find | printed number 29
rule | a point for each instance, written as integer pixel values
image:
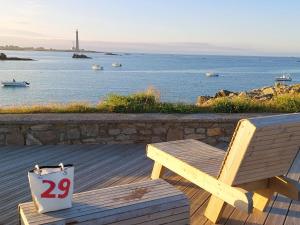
(63, 185)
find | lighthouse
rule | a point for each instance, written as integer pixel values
(76, 50)
(77, 42)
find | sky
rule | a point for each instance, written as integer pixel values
(233, 27)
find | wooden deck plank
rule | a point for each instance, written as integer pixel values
(281, 206)
(99, 166)
(19, 185)
(82, 161)
(278, 207)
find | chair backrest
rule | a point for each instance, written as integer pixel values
(261, 148)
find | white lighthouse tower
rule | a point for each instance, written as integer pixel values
(77, 54)
(77, 42)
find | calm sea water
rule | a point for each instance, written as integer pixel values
(56, 77)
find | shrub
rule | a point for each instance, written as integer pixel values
(286, 103)
(237, 105)
(148, 102)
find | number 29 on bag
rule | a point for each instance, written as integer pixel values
(63, 187)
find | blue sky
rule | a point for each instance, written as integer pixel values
(248, 27)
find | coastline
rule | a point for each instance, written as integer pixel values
(56, 50)
(278, 99)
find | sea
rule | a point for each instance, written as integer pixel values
(57, 78)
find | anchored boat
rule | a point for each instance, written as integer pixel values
(211, 74)
(14, 83)
(116, 65)
(97, 67)
(284, 77)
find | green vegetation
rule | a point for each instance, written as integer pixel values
(148, 102)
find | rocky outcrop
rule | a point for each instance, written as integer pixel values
(3, 57)
(80, 56)
(224, 93)
(261, 94)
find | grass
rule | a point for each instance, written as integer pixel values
(286, 103)
(148, 102)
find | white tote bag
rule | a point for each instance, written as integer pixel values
(52, 187)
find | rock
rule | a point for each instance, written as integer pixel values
(46, 137)
(211, 141)
(89, 130)
(30, 140)
(114, 131)
(252, 94)
(123, 137)
(159, 130)
(174, 134)
(156, 139)
(222, 145)
(202, 99)
(146, 132)
(4, 130)
(101, 139)
(73, 134)
(223, 93)
(231, 95)
(195, 136)
(189, 130)
(214, 132)
(41, 127)
(269, 91)
(102, 132)
(279, 87)
(15, 138)
(264, 97)
(282, 88)
(200, 130)
(261, 94)
(129, 131)
(62, 137)
(80, 56)
(2, 139)
(224, 139)
(4, 57)
(295, 89)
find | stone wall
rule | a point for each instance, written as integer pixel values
(43, 129)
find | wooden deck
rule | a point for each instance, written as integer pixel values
(98, 166)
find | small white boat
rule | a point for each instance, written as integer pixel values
(14, 83)
(97, 67)
(116, 65)
(284, 77)
(211, 74)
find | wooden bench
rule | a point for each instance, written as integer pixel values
(148, 202)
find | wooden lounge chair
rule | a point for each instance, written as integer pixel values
(260, 154)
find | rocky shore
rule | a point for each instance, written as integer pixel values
(260, 94)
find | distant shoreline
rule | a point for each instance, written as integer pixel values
(42, 49)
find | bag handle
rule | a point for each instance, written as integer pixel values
(38, 169)
(61, 166)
